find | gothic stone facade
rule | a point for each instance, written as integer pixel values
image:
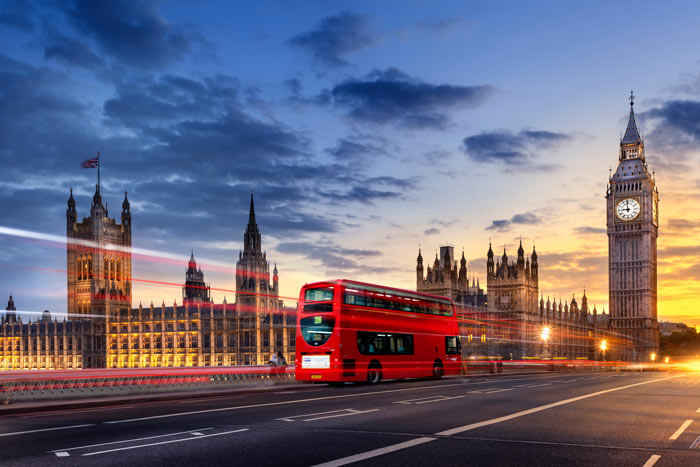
(104, 331)
(446, 280)
(633, 226)
(508, 324)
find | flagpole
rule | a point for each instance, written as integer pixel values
(99, 187)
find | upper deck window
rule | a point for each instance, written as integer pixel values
(322, 294)
(312, 297)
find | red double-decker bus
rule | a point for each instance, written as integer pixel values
(352, 331)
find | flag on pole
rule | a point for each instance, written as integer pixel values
(91, 163)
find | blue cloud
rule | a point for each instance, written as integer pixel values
(502, 225)
(510, 148)
(333, 38)
(391, 96)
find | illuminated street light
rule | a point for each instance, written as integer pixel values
(653, 357)
(545, 334)
(667, 359)
(603, 347)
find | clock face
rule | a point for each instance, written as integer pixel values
(627, 209)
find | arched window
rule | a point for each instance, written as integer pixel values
(89, 260)
(119, 270)
(106, 271)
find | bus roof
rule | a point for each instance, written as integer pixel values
(365, 286)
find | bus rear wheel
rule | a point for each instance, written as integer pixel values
(374, 373)
(438, 369)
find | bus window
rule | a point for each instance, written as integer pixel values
(384, 343)
(355, 297)
(316, 330)
(452, 345)
(321, 294)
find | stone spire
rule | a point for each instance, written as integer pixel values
(631, 134)
(489, 261)
(71, 214)
(251, 238)
(521, 255)
(631, 145)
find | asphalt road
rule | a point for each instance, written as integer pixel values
(597, 419)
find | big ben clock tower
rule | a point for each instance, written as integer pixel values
(633, 227)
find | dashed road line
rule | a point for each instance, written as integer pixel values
(126, 448)
(680, 430)
(324, 415)
(427, 400)
(64, 450)
(652, 460)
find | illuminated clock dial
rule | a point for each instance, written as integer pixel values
(627, 209)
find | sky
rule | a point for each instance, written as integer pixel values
(364, 130)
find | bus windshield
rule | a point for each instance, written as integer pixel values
(316, 330)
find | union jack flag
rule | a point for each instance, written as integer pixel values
(91, 163)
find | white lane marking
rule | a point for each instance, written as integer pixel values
(490, 390)
(696, 443)
(417, 441)
(353, 412)
(128, 440)
(329, 414)
(164, 442)
(46, 429)
(48, 414)
(269, 404)
(538, 385)
(427, 400)
(62, 454)
(208, 399)
(698, 410)
(196, 433)
(376, 452)
(473, 426)
(680, 430)
(652, 460)
(291, 419)
(438, 400)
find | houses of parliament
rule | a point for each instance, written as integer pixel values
(510, 319)
(104, 331)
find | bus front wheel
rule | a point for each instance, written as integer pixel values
(374, 373)
(438, 370)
